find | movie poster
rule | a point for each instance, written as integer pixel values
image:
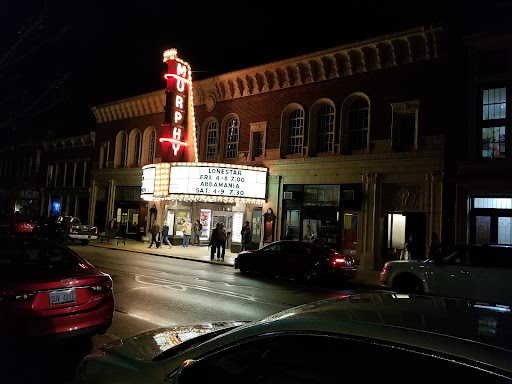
(310, 229)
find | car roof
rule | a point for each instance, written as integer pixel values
(474, 331)
(24, 242)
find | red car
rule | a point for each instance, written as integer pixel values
(297, 260)
(46, 289)
(16, 225)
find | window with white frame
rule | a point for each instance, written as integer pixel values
(151, 147)
(494, 123)
(404, 130)
(136, 148)
(233, 134)
(257, 139)
(358, 124)
(295, 131)
(211, 140)
(325, 128)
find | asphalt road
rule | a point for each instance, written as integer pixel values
(151, 292)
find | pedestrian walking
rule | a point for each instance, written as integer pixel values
(165, 234)
(186, 234)
(196, 232)
(246, 236)
(154, 232)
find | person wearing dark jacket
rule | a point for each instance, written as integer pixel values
(154, 232)
(246, 236)
(213, 241)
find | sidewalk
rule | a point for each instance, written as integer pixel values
(202, 254)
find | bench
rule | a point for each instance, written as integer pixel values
(107, 238)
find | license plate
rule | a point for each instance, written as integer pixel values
(63, 296)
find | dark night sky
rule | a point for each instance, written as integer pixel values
(107, 50)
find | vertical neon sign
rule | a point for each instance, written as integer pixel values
(178, 110)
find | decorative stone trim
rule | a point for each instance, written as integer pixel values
(403, 48)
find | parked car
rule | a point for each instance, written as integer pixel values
(353, 339)
(53, 228)
(48, 228)
(79, 231)
(297, 259)
(466, 271)
(46, 289)
(13, 225)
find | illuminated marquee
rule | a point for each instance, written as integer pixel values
(178, 136)
(207, 182)
(218, 180)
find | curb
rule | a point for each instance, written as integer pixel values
(225, 263)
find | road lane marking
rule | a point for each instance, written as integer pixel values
(159, 282)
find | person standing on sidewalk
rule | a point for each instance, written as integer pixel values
(196, 232)
(165, 234)
(213, 241)
(154, 232)
(186, 234)
(246, 236)
(221, 241)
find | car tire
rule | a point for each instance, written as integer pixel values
(85, 242)
(407, 283)
(245, 269)
(310, 275)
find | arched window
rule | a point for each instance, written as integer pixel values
(358, 124)
(295, 131)
(325, 128)
(232, 137)
(120, 154)
(151, 147)
(134, 148)
(212, 134)
(148, 146)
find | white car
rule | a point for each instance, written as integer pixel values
(482, 273)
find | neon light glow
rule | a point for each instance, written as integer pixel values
(179, 78)
(162, 139)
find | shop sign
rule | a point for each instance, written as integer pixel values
(148, 180)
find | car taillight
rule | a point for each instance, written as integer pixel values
(387, 267)
(339, 260)
(103, 287)
(96, 231)
(15, 296)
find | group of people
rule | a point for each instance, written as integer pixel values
(412, 250)
(186, 228)
(218, 240)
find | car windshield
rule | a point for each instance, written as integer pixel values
(37, 258)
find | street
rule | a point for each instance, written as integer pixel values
(153, 291)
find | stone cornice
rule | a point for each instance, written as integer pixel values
(70, 142)
(387, 51)
(146, 104)
(414, 45)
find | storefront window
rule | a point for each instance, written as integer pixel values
(182, 217)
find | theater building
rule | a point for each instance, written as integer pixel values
(349, 140)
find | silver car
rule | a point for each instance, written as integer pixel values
(375, 337)
(476, 272)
